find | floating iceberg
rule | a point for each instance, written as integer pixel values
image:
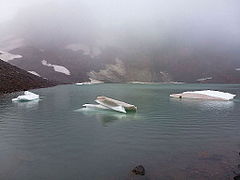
(28, 96)
(205, 94)
(111, 104)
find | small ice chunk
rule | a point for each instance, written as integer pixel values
(28, 96)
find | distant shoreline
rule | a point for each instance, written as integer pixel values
(142, 82)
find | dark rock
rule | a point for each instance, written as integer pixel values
(237, 177)
(14, 79)
(139, 170)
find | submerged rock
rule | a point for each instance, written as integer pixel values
(237, 177)
(139, 170)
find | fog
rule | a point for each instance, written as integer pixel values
(123, 23)
(148, 36)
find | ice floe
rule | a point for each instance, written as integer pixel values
(205, 94)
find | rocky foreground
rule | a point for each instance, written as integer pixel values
(14, 79)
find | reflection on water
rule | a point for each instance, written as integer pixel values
(205, 104)
(106, 116)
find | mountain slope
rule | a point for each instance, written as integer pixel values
(13, 79)
(183, 64)
(200, 45)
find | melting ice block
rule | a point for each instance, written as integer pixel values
(111, 104)
(28, 96)
(205, 94)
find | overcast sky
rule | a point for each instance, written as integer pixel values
(193, 17)
(221, 8)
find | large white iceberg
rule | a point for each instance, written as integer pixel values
(28, 96)
(205, 94)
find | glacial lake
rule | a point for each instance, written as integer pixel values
(172, 138)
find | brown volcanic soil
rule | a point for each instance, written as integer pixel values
(13, 79)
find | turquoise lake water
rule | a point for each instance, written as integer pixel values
(173, 139)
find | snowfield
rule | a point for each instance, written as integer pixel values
(57, 68)
(6, 56)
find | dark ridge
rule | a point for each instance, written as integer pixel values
(14, 79)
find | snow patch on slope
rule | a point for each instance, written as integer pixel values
(91, 51)
(35, 73)
(237, 69)
(6, 56)
(57, 68)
